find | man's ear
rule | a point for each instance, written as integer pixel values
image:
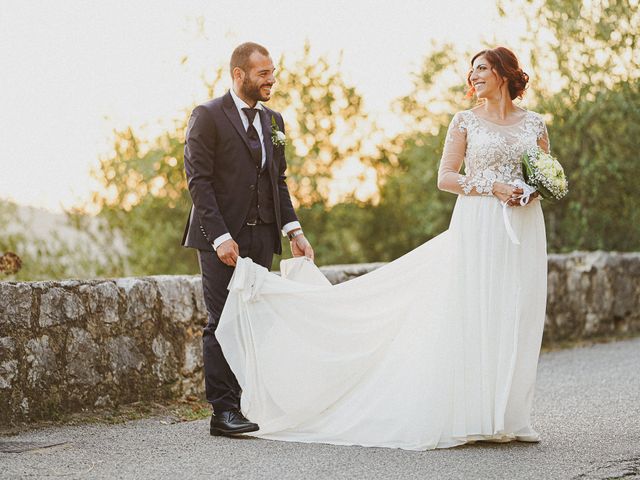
(238, 74)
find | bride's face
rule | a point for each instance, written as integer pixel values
(484, 79)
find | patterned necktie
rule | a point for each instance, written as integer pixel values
(254, 138)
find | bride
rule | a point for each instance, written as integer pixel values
(435, 349)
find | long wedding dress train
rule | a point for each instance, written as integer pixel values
(434, 349)
(421, 353)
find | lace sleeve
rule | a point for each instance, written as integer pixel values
(543, 137)
(455, 146)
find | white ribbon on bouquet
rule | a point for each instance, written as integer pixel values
(527, 190)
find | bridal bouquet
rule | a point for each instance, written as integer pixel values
(544, 173)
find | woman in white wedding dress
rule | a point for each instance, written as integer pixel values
(435, 349)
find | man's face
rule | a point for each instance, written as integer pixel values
(259, 79)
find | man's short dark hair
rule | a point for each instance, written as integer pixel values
(240, 56)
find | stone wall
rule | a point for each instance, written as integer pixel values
(592, 295)
(68, 346)
(74, 345)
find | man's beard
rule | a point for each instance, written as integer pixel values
(252, 90)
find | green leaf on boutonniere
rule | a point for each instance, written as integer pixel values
(277, 136)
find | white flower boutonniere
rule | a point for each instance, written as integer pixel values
(277, 136)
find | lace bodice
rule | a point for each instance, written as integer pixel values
(490, 152)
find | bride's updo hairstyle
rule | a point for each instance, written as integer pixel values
(504, 63)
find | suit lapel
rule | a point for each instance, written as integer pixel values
(232, 114)
(265, 119)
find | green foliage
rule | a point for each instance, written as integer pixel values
(437, 91)
(145, 199)
(588, 83)
(326, 122)
(597, 142)
(588, 45)
(328, 127)
(336, 232)
(411, 209)
(585, 80)
(87, 255)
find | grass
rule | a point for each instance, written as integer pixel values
(588, 342)
(186, 410)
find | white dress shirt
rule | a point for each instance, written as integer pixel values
(257, 123)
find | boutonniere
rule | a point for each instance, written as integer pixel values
(277, 136)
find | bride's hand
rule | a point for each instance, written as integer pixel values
(507, 193)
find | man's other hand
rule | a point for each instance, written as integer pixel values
(228, 252)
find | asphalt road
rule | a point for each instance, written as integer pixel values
(587, 410)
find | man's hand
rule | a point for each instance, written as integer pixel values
(228, 252)
(300, 246)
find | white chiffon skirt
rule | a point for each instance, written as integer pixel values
(435, 349)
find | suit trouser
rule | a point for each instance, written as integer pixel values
(255, 242)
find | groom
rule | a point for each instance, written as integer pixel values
(236, 179)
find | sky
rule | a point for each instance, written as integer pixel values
(73, 71)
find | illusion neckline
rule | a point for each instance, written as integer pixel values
(526, 113)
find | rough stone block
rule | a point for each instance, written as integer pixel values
(192, 386)
(42, 361)
(592, 324)
(15, 304)
(7, 346)
(341, 273)
(140, 300)
(83, 356)
(102, 301)
(176, 293)
(8, 371)
(164, 367)
(200, 313)
(192, 356)
(58, 306)
(124, 356)
(103, 401)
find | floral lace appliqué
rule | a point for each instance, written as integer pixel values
(493, 152)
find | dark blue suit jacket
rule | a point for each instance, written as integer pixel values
(221, 172)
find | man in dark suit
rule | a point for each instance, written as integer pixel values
(236, 176)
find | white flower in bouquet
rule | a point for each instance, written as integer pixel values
(545, 173)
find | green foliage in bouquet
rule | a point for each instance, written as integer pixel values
(542, 171)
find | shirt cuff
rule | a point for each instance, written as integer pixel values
(290, 226)
(221, 239)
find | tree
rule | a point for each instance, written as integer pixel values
(584, 80)
(328, 127)
(586, 58)
(145, 196)
(411, 209)
(67, 252)
(145, 199)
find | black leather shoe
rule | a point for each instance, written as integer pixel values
(230, 423)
